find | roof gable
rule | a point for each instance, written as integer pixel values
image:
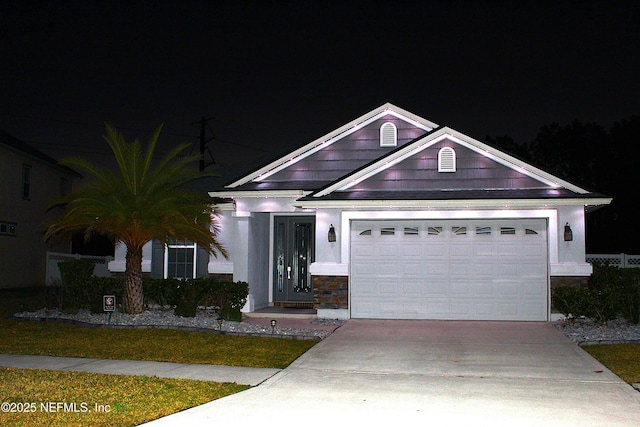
(414, 166)
(473, 170)
(341, 151)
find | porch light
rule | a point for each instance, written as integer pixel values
(568, 234)
(273, 325)
(332, 234)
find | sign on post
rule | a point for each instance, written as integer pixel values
(109, 303)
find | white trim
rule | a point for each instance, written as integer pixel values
(259, 193)
(444, 203)
(181, 246)
(225, 206)
(570, 269)
(328, 269)
(459, 138)
(220, 267)
(332, 137)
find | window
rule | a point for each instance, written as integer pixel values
(180, 260)
(7, 229)
(483, 230)
(446, 160)
(411, 231)
(365, 233)
(388, 135)
(387, 231)
(26, 181)
(530, 231)
(434, 231)
(508, 230)
(459, 231)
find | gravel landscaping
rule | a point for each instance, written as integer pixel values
(579, 331)
(203, 321)
(583, 331)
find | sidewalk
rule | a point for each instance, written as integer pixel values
(217, 373)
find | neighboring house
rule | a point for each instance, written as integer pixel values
(392, 216)
(30, 181)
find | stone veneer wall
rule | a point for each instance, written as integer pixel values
(221, 277)
(572, 281)
(330, 292)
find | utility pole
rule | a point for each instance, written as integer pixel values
(204, 123)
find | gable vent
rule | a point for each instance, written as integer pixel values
(446, 160)
(388, 135)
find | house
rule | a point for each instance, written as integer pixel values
(392, 216)
(30, 181)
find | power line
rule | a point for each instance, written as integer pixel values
(101, 126)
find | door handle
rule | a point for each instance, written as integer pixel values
(289, 272)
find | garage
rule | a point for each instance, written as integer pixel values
(449, 269)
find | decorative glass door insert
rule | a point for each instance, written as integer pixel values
(293, 254)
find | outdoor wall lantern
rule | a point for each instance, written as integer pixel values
(568, 234)
(332, 234)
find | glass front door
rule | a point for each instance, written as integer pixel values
(293, 253)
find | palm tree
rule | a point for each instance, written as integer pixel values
(138, 202)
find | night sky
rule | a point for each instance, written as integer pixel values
(276, 75)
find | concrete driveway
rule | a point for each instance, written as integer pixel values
(454, 373)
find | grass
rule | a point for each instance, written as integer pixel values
(165, 345)
(98, 399)
(124, 400)
(621, 359)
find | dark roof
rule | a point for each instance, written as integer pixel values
(530, 193)
(16, 144)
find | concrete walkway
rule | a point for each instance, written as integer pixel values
(248, 376)
(432, 373)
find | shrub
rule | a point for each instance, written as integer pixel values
(630, 305)
(75, 274)
(75, 271)
(612, 292)
(571, 302)
(187, 295)
(229, 297)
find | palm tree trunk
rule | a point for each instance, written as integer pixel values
(133, 293)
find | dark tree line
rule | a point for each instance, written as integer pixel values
(600, 160)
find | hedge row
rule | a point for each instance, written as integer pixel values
(612, 292)
(80, 289)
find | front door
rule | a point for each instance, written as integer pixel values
(293, 253)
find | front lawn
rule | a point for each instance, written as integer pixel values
(622, 359)
(87, 399)
(42, 398)
(164, 345)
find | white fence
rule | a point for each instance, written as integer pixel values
(53, 258)
(617, 260)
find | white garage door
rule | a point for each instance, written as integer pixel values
(449, 269)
